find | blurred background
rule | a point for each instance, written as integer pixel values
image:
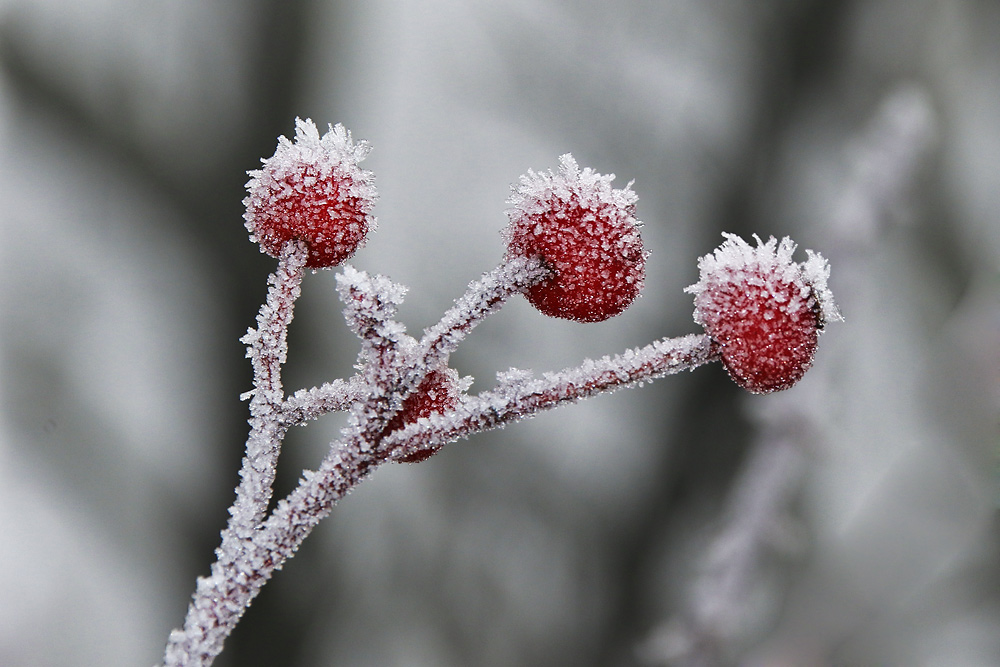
(849, 521)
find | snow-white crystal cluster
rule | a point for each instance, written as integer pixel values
(768, 264)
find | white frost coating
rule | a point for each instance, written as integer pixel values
(267, 348)
(308, 404)
(518, 395)
(816, 272)
(370, 301)
(482, 298)
(377, 288)
(737, 262)
(592, 188)
(334, 151)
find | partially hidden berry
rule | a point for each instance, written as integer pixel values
(764, 311)
(586, 233)
(438, 392)
(312, 190)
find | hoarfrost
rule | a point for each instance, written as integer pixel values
(763, 310)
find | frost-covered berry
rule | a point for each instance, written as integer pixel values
(437, 393)
(764, 311)
(586, 233)
(312, 190)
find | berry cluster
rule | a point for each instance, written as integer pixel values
(573, 250)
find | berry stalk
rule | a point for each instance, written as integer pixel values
(267, 348)
(524, 396)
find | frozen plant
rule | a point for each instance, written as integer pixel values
(574, 251)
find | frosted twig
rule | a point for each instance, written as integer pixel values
(218, 600)
(519, 400)
(758, 504)
(883, 162)
(573, 250)
(721, 613)
(308, 404)
(267, 348)
(483, 298)
(370, 302)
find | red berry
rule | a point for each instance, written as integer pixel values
(763, 310)
(586, 233)
(437, 393)
(312, 190)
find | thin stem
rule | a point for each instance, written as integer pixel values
(483, 298)
(512, 402)
(237, 576)
(220, 599)
(308, 404)
(267, 348)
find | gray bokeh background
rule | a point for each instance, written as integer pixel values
(867, 130)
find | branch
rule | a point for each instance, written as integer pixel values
(523, 397)
(267, 348)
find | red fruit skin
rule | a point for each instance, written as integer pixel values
(767, 334)
(763, 311)
(437, 393)
(307, 207)
(587, 234)
(599, 270)
(312, 190)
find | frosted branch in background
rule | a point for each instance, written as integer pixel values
(573, 250)
(728, 605)
(883, 160)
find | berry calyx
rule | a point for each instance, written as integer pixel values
(438, 392)
(764, 311)
(312, 190)
(586, 233)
